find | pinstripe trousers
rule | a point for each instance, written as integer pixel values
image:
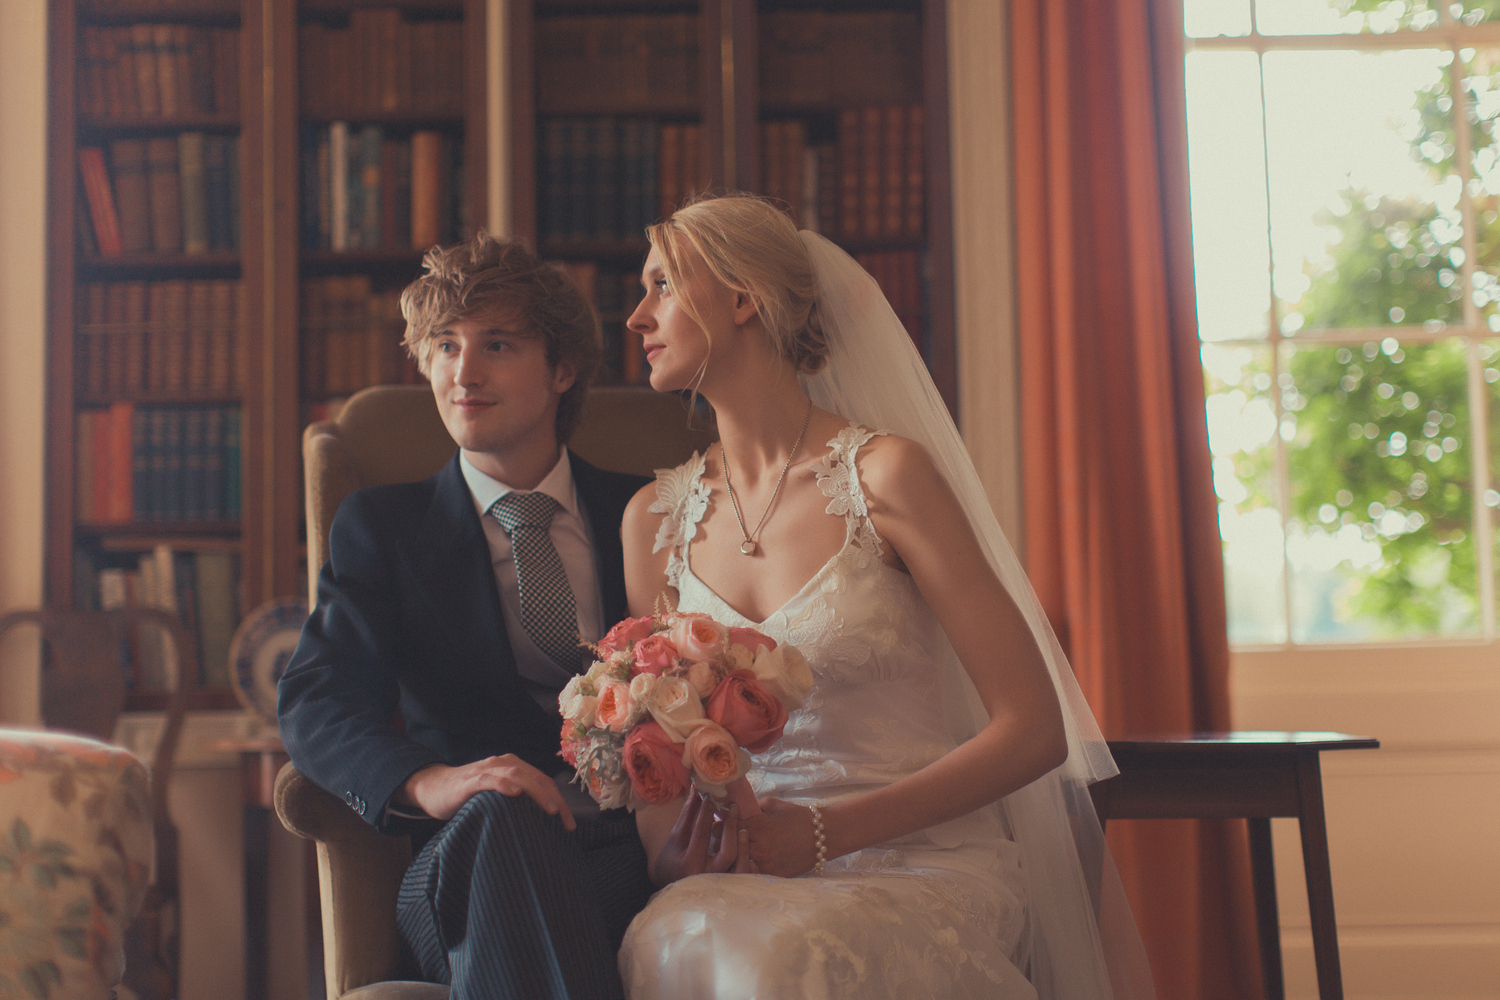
(504, 904)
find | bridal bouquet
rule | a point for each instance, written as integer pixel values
(676, 699)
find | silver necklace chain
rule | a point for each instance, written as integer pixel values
(747, 547)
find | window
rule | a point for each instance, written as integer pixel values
(1345, 183)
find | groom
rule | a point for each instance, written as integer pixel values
(424, 689)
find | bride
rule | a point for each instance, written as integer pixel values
(926, 829)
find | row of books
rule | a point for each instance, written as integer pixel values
(899, 275)
(168, 194)
(352, 337)
(641, 63)
(165, 464)
(368, 190)
(171, 337)
(158, 71)
(840, 58)
(614, 292)
(381, 63)
(680, 168)
(881, 172)
(200, 587)
(598, 178)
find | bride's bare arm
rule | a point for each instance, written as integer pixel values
(921, 522)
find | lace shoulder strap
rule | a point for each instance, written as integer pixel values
(682, 496)
(838, 478)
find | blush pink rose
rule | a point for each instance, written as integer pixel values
(742, 705)
(654, 764)
(615, 706)
(569, 751)
(626, 634)
(750, 639)
(655, 654)
(698, 638)
(704, 677)
(712, 754)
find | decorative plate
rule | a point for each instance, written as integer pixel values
(262, 646)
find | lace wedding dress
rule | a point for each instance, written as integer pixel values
(940, 913)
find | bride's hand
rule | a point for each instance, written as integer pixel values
(781, 838)
(700, 842)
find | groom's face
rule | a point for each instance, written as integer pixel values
(495, 389)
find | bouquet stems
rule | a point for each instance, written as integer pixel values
(738, 792)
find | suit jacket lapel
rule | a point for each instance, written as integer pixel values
(450, 560)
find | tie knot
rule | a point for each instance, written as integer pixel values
(532, 510)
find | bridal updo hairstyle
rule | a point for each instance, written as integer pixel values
(483, 278)
(751, 246)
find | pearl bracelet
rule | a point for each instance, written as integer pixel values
(819, 838)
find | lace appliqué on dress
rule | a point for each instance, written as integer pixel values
(682, 495)
(838, 478)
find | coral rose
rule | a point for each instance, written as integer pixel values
(698, 638)
(712, 754)
(677, 707)
(750, 639)
(654, 763)
(742, 705)
(655, 654)
(626, 634)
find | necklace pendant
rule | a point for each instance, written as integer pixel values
(747, 548)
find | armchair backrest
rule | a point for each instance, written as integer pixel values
(394, 434)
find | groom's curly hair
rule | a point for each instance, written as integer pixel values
(485, 278)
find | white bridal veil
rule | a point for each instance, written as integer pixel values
(1083, 941)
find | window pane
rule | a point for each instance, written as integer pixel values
(1365, 221)
(1380, 538)
(1343, 17)
(1226, 160)
(1242, 433)
(1489, 355)
(1207, 18)
(1481, 84)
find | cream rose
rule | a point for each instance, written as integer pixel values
(642, 691)
(785, 673)
(737, 657)
(712, 755)
(703, 677)
(677, 708)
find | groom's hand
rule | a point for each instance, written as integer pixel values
(440, 790)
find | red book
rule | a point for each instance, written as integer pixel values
(101, 200)
(121, 463)
(100, 444)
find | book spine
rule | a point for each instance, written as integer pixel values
(893, 174)
(871, 212)
(185, 580)
(122, 463)
(101, 200)
(426, 188)
(166, 194)
(143, 48)
(338, 173)
(213, 463)
(216, 192)
(194, 491)
(148, 302)
(83, 466)
(914, 213)
(849, 173)
(154, 502)
(140, 463)
(217, 614)
(164, 50)
(101, 501)
(199, 337)
(232, 477)
(552, 211)
(370, 141)
(193, 184)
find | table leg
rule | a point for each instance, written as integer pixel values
(1319, 876)
(1267, 919)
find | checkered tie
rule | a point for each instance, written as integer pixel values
(548, 612)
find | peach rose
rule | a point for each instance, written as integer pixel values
(654, 763)
(742, 705)
(615, 706)
(712, 754)
(677, 707)
(785, 673)
(750, 639)
(655, 654)
(626, 634)
(704, 677)
(698, 638)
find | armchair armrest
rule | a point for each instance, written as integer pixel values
(359, 876)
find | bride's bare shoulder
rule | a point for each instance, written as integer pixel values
(893, 468)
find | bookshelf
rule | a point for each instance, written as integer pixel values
(200, 308)
(837, 109)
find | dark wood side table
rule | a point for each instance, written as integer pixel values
(1254, 775)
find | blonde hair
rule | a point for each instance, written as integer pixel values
(482, 278)
(751, 247)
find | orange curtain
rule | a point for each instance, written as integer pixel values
(1121, 525)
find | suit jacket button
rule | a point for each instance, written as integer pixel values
(348, 798)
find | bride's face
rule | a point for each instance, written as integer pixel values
(677, 347)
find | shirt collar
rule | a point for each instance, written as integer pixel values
(486, 489)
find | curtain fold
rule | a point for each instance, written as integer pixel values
(1121, 535)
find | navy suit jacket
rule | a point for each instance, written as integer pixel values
(408, 626)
